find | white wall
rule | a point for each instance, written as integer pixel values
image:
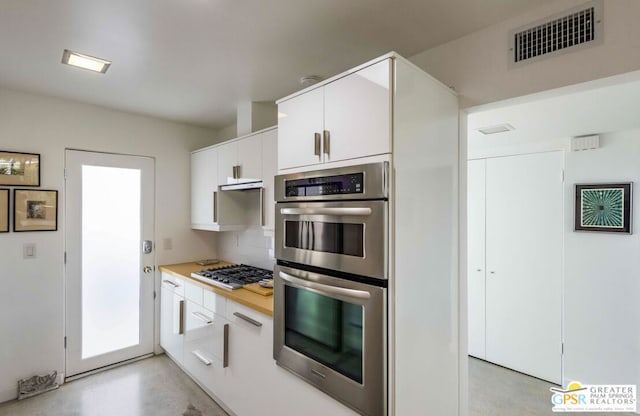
(477, 65)
(602, 273)
(31, 294)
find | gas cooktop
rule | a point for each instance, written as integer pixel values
(233, 277)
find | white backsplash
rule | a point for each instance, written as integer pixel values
(249, 246)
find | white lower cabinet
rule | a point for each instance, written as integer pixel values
(172, 306)
(251, 384)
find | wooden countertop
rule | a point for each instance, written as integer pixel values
(260, 303)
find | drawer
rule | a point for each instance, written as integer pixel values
(247, 318)
(215, 303)
(206, 332)
(173, 283)
(193, 292)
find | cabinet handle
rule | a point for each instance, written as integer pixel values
(262, 207)
(238, 176)
(246, 318)
(233, 170)
(225, 351)
(201, 357)
(326, 142)
(171, 283)
(215, 206)
(478, 270)
(181, 325)
(492, 272)
(316, 149)
(204, 318)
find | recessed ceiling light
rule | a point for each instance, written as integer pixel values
(83, 61)
(500, 128)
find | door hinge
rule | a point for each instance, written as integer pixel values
(154, 294)
(562, 348)
(65, 257)
(562, 176)
(65, 343)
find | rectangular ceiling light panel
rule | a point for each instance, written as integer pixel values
(83, 61)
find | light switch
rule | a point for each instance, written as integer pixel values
(29, 251)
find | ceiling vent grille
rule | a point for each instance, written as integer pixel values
(559, 33)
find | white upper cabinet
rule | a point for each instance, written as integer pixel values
(344, 119)
(204, 188)
(240, 161)
(299, 130)
(248, 159)
(357, 114)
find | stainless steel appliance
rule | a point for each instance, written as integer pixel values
(232, 277)
(330, 282)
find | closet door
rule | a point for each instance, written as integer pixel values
(476, 256)
(524, 223)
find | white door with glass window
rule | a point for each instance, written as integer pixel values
(109, 276)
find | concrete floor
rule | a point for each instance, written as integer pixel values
(151, 387)
(498, 391)
(157, 387)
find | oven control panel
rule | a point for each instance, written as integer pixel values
(352, 183)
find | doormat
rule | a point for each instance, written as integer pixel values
(192, 411)
(36, 385)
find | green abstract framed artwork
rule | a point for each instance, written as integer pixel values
(604, 207)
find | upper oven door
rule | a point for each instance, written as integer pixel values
(347, 236)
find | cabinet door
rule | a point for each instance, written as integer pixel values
(250, 159)
(357, 114)
(524, 263)
(204, 187)
(172, 309)
(269, 170)
(476, 256)
(227, 159)
(300, 119)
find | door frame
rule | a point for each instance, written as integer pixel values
(154, 260)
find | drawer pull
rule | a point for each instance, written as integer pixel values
(201, 357)
(171, 283)
(246, 318)
(204, 318)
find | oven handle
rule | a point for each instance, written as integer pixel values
(353, 212)
(329, 290)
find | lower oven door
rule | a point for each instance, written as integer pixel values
(332, 333)
(349, 236)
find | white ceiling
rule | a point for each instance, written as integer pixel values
(550, 119)
(193, 60)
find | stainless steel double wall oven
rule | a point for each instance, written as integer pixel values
(330, 282)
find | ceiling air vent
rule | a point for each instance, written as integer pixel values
(563, 32)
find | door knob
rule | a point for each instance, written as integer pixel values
(147, 269)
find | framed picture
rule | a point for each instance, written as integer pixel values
(35, 210)
(4, 210)
(19, 169)
(604, 207)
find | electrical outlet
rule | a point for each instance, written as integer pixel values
(29, 251)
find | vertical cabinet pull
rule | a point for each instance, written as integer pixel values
(262, 207)
(316, 148)
(225, 351)
(326, 142)
(181, 317)
(238, 176)
(215, 206)
(233, 172)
